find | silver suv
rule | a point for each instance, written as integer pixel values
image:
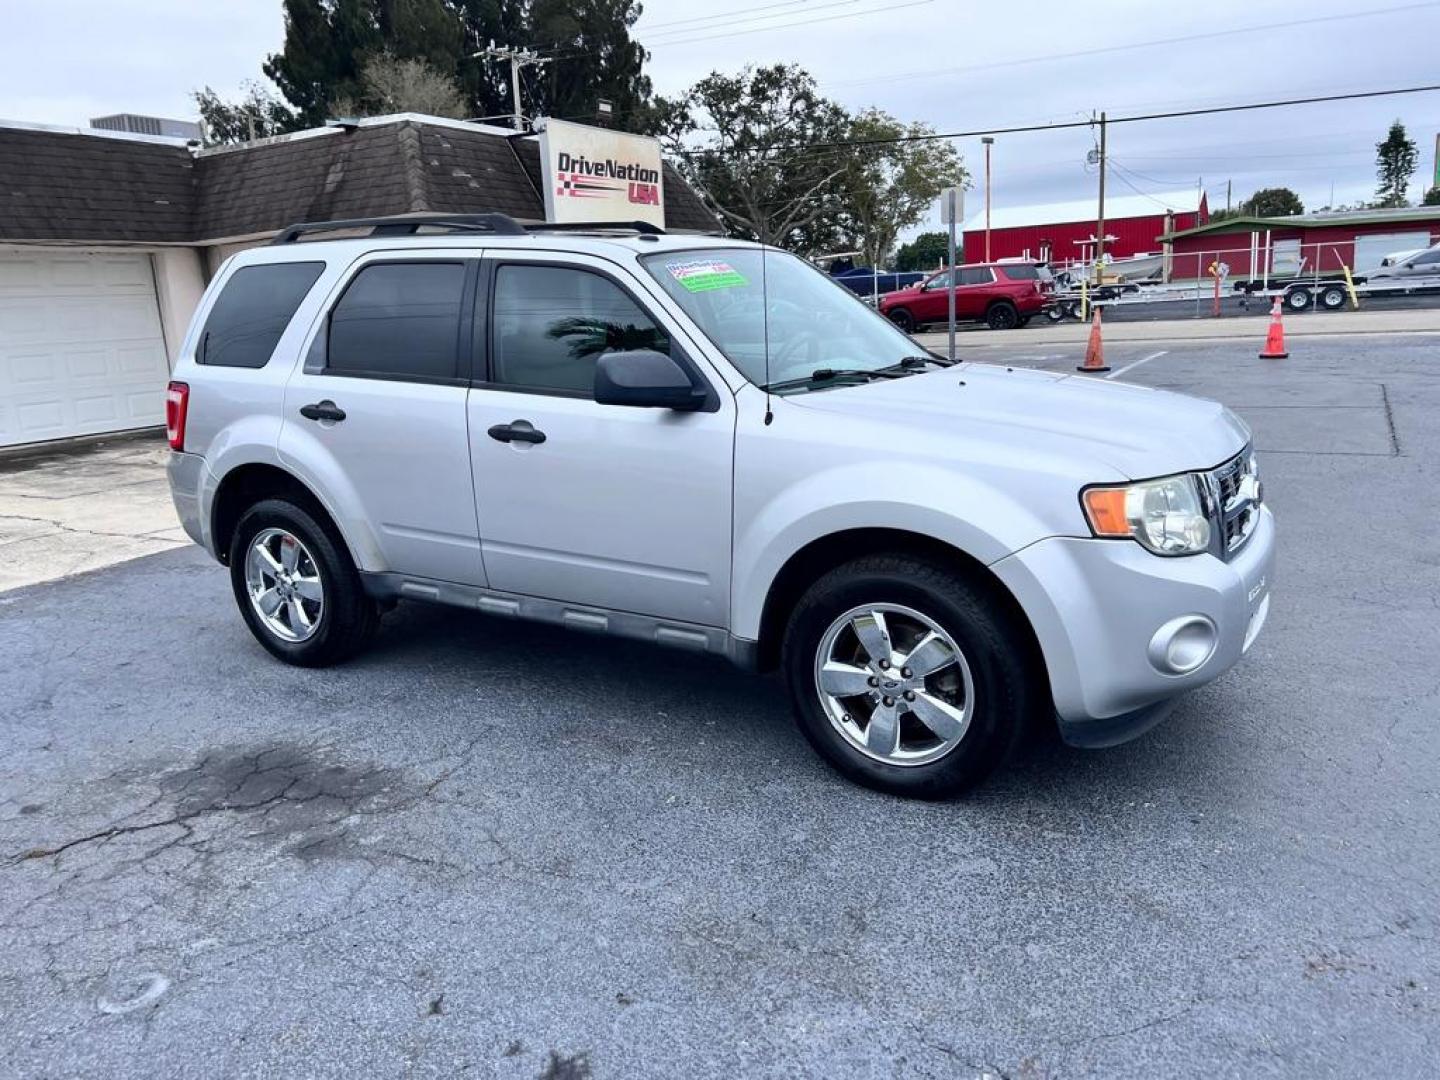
(708, 444)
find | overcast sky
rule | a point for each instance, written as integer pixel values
(960, 66)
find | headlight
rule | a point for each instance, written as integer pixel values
(1165, 515)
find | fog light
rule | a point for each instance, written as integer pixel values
(1182, 645)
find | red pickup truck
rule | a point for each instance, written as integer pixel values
(1001, 295)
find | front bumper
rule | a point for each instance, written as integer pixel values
(1097, 605)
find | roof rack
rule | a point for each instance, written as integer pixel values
(496, 224)
(642, 227)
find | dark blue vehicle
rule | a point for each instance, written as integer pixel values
(864, 281)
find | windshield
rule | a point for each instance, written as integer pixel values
(814, 324)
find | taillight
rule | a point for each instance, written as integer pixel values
(177, 402)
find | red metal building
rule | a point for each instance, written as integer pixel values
(1061, 233)
(1251, 246)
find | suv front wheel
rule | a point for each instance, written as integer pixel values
(904, 676)
(903, 319)
(297, 588)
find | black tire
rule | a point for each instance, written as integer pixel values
(903, 319)
(1297, 299)
(1002, 316)
(348, 619)
(1332, 298)
(1006, 687)
(1057, 312)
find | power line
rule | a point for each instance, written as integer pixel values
(1071, 124)
(732, 15)
(883, 10)
(1106, 49)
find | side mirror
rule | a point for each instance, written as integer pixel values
(646, 379)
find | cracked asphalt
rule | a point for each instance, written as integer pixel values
(489, 849)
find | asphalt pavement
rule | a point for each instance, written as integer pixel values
(489, 849)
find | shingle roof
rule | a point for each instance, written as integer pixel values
(70, 186)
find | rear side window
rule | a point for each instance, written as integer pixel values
(976, 275)
(399, 321)
(251, 313)
(1020, 272)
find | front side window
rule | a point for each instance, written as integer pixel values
(776, 317)
(252, 311)
(1430, 258)
(551, 323)
(399, 321)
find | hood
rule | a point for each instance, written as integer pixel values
(1137, 431)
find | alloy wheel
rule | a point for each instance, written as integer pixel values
(894, 684)
(283, 582)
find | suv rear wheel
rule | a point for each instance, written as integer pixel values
(297, 588)
(1002, 316)
(905, 678)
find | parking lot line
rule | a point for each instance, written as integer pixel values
(1130, 367)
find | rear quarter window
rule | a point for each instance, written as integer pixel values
(253, 309)
(1020, 273)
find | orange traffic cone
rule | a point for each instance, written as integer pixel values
(1275, 340)
(1095, 351)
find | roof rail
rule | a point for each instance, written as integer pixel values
(497, 224)
(642, 227)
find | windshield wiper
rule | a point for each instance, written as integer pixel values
(825, 374)
(917, 363)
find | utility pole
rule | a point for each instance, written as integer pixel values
(1227, 196)
(988, 141)
(1100, 222)
(519, 58)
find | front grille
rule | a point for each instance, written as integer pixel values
(1235, 499)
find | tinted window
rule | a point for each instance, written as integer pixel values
(399, 321)
(1427, 259)
(252, 312)
(551, 322)
(1020, 272)
(975, 275)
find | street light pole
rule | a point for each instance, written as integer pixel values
(988, 142)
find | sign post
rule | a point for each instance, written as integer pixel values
(952, 209)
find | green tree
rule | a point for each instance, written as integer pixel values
(750, 148)
(258, 114)
(1273, 202)
(1395, 161)
(595, 58)
(926, 252)
(1432, 197)
(893, 176)
(591, 54)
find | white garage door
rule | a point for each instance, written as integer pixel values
(81, 349)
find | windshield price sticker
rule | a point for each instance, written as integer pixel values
(707, 275)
